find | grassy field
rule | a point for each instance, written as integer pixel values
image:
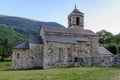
(85, 73)
(5, 65)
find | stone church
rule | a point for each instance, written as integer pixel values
(61, 47)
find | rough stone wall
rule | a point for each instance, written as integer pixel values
(107, 61)
(116, 60)
(42, 34)
(94, 45)
(57, 55)
(100, 61)
(63, 55)
(87, 52)
(83, 49)
(83, 62)
(28, 58)
(104, 61)
(36, 47)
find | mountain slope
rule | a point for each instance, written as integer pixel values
(17, 29)
(26, 26)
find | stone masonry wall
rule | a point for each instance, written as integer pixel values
(100, 61)
(26, 58)
(58, 55)
(63, 55)
(94, 45)
(116, 60)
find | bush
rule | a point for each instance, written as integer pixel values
(112, 48)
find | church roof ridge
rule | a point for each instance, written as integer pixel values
(65, 39)
(68, 31)
(76, 11)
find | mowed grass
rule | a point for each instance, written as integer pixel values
(83, 73)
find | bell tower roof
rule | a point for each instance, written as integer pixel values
(76, 11)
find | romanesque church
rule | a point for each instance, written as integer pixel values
(61, 47)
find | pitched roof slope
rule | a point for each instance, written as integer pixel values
(65, 39)
(76, 11)
(67, 31)
(104, 51)
(24, 45)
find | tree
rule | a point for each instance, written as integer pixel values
(105, 37)
(5, 49)
(117, 39)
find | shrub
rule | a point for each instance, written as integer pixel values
(112, 48)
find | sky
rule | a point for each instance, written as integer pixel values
(98, 14)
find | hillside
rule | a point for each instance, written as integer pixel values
(17, 29)
(26, 26)
(14, 38)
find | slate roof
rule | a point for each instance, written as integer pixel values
(68, 31)
(35, 39)
(76, 11)
(24, 45)
(65, 39)
(104, 51)
(32, 39)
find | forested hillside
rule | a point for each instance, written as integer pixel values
(8, 32)
(26, 26)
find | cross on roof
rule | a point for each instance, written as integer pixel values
(75, 6)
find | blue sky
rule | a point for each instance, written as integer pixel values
(99, 14)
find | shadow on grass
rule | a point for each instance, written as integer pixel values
(9, 69)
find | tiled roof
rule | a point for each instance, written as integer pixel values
(104, 51)
(68, 31)
(24, 45)
(65, 39)
(35, 39)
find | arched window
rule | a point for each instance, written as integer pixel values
(77, 20)
(70, 22)
(18, 55)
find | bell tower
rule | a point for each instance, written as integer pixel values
(76, 19)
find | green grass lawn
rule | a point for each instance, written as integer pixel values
(85, 73)
(5, 65)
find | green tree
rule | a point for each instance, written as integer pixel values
(105, 37)
(5, 49)
(117, 39)
(113, 48)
